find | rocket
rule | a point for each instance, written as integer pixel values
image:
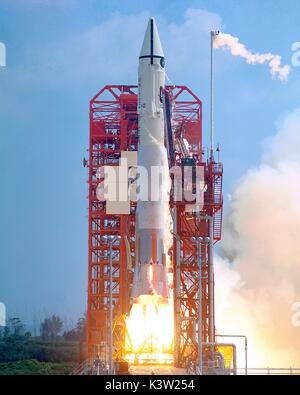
(150, 272)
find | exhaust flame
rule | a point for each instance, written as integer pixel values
(150, 331)
(236, 48)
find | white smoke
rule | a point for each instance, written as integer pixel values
(258, 277)
(236, 48)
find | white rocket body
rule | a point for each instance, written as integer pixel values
(150, 274)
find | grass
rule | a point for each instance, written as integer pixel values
(34, 367)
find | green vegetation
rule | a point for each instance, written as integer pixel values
(51, 327)
(51, 353)
(43, 351)
(33, 367)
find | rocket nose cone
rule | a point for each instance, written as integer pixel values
(151, 44)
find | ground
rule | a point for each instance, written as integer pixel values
(156, 370)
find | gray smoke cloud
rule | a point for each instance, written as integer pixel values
(258, 271)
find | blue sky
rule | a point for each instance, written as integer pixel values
(59, 54)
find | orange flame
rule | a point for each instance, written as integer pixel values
(150, 331)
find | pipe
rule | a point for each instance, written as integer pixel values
(177, 290)
(212, 126)
(105, 347)
(211, 281)
(199, 306)
(210, 218)
(110, 310)
(212, 94)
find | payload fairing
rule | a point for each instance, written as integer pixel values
(150, 273)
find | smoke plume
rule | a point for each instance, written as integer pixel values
(258, 274)
(236, 48)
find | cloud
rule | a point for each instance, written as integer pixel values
(42, 3)
(108, 52)
(188, 44)
(261, 250)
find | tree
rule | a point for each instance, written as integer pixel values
(51, 327)
(6, 332)
(77, 333)
(81, 327)
(16, 326)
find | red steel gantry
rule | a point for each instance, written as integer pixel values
(114, 128)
